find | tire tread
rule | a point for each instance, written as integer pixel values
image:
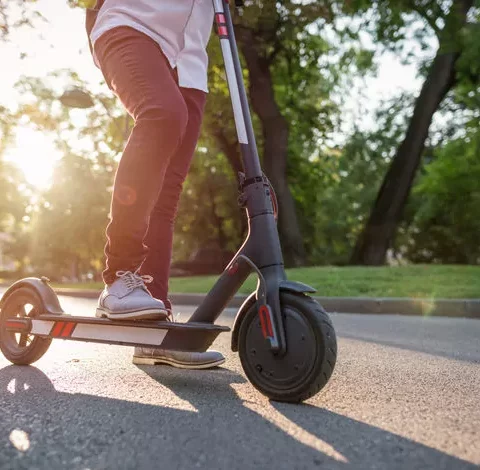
(38, 347)
(321, 322)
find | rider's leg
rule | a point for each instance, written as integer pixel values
(160, 237)
(140, 75)
(160, 232)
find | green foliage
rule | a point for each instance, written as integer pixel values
(446, 225)
(467, 91)
(81, 3)
(336, 188)
(393, 21)
(208, 214)
(13, 195)
(16, 14)
(70, 218)
(65, 224)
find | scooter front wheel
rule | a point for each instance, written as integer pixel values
(311, 353)
(21, 348)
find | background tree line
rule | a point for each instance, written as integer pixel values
(408, 184)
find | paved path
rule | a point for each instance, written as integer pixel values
(405, 395)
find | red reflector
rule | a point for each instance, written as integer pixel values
(57, 328)
(269, 324)
(67, 331)
(222, 31)
(263, 322)
(221, 18)
(266, 321)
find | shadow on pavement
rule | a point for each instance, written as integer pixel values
(367, 446)
(219, 432)
(348, 444)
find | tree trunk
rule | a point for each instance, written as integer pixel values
(75, 269)
(230, 149)
(232, 152)
(217, 221)
(380, 230)
(275, 150)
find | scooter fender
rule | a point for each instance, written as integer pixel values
(49, 299)
(288, 286)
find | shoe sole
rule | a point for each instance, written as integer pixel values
(148, 314)
(154, 361)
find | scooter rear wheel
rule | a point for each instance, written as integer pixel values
(21, 348)
(311, 353)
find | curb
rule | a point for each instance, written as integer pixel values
(459, 308)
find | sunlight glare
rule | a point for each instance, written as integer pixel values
(20, 440)
(35, 155)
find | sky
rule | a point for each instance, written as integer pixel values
(61, 42)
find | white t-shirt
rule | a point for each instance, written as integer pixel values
(182, 28)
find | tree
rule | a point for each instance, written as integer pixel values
(15, 14)
(269, 33)
(208, 214)
(12, 196)
(387, 211)
(282, 46)
(67, 221)
(445, 227)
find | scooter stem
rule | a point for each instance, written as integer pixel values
(261, 250)
(238, 94)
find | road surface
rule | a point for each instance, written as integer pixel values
(405, 395)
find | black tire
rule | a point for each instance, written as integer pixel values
(311, 351)
(20, 303)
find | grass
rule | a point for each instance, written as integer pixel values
(419, 281)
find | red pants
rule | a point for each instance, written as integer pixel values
(157, 156)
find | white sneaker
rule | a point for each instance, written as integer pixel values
(181, 359)
(128, 299)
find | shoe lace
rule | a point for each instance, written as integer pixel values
(171, 317)
(134, 280)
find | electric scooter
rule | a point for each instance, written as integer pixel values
(285, 340)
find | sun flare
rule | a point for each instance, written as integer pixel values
(35, 155)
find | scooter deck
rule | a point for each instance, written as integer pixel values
(168, 335)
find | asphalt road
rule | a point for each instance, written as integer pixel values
(405, 395)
